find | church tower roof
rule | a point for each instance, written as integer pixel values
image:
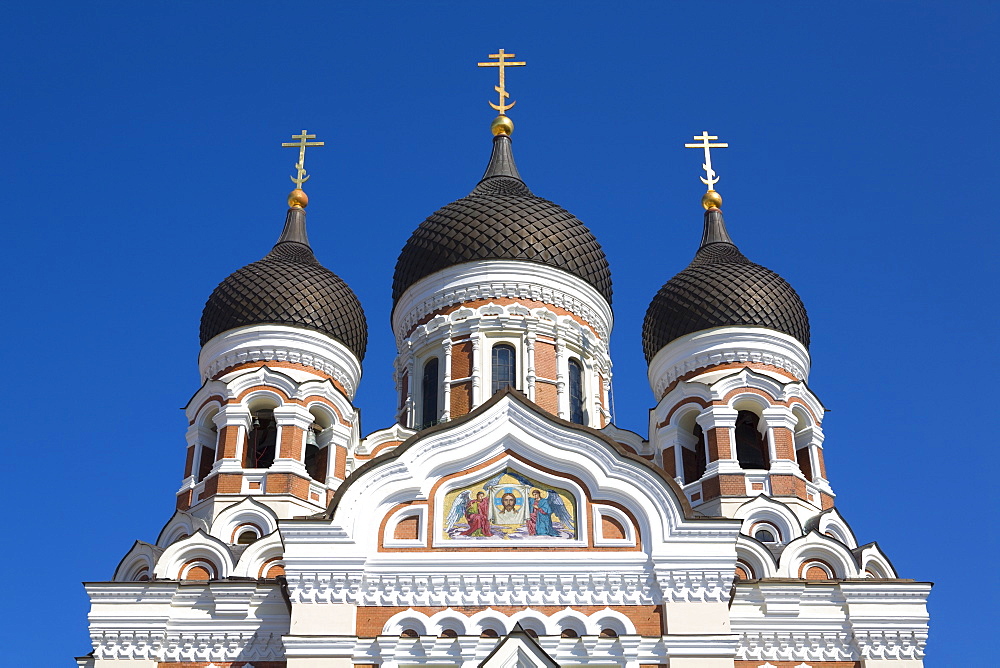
(501, 219)
(288, 286)
(720, 288)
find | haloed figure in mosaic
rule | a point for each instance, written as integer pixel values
(477, 513)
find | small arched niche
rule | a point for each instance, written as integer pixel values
(262, 436)
(749, 434)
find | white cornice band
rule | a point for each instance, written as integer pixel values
(281, 343)
(724, 345)
(494, 279)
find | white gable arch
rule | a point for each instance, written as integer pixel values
(246, 512)
(181, 525)
(507, 430)
(766, 509)
(199, 546)
(138, 564)
(816, 546)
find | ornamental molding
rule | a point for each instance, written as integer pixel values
(326, 587)
(495, 279)
(278, 343)
(725, 345)
(187, 646)
(891, 644)
(800, 645)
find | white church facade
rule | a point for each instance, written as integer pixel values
(503, 520)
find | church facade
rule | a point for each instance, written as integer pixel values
(503, 519)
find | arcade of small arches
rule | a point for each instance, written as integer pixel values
(491, 623)
(263, 421)
(767, 426)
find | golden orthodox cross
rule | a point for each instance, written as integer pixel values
(709, 172)
(301, 164)
(502, 88)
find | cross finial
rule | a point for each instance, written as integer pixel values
(501, 63)
(710, 178)
(300, 166)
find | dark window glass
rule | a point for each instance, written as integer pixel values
(751, 448)
(504, 367)
(764, 536)
(261, 441)
(429, 394)
(576, 392)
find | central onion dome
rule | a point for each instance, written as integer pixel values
(502, 220)
(722, 288)
(288, 287)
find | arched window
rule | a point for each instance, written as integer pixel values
(429, 394)
(576, 414)
(504, 367)
(751, 448)
(261, 441)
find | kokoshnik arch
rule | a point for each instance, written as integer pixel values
(503, 519)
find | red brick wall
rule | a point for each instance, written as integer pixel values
(291, 442)
(339, 461)
(461, 360)
(545, 361)
(287, 483)
(669, 464)
(407, 528)
(718, 444)
(461, 398)
(611, 528)
(547, 396)
(228, 440)
(784, 443)
(788, 485)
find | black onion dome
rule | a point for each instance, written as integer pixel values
(288, 287)
(720, 288)
(502, 220)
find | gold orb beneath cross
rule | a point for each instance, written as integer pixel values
(711, 200)
(502, 125)
(298, 199)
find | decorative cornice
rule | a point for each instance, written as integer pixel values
(724, 345)
(799, 645)
(188, 646)
(507, 589)
(281, 343)
(496, 279)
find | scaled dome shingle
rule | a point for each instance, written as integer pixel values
(720, 288)
(502, 220)
(287, 287)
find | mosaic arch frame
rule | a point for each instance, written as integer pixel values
(512, 505)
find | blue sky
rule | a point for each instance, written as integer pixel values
(143, 164)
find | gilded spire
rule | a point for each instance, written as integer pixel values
(502, 124)
(710, 199)
(297, 198)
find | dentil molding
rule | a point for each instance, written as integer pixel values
(507, 589)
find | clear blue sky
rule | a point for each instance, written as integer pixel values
(142, 164)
